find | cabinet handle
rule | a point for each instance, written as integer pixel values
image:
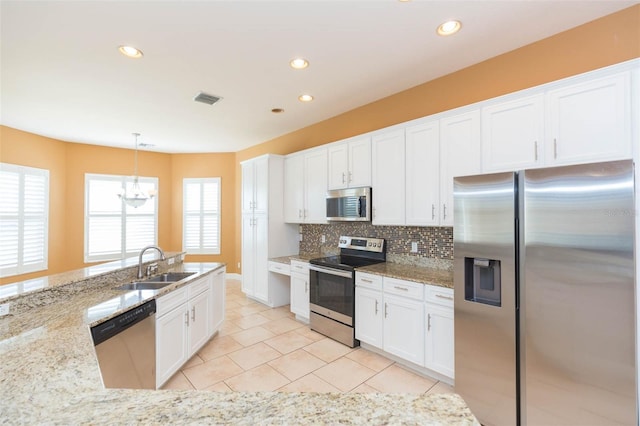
(376, 307)
(428, 322)
(306, 287)
(385, 310)
(306, 213)
(433, 211)
(373, 213)
(400, 288)
(193, 313)
(186, 318)
(555, 149)
(535, 150)
(343, 177)
(350, 177)
(299, 213)
(444, 211)
(364, 280)
(444, 297)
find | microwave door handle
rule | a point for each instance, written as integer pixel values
(359, 206)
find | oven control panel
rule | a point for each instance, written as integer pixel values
(362, 243)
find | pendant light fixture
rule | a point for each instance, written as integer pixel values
(135, 196)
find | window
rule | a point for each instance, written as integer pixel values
(201, 216)
(112, 229)
(24, 219)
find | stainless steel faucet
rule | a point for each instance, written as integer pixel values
(162, 257)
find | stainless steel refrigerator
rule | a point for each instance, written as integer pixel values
(544, 279)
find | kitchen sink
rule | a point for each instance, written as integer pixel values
(169, 277)
(156, 282)
(143, 286)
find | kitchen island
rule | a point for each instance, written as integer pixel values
(49, 375)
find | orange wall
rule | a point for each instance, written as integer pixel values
(27, 149)
(612, 39)
(207, 165)
(68, 163)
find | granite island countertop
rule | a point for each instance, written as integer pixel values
(49, 375)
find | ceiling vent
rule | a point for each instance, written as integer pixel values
(206, 98)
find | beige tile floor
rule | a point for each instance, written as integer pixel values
(267, 349)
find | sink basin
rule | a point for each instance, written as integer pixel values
(143, 286)
(169, 277)
(156, 282)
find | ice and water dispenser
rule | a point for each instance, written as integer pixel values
(482, 281)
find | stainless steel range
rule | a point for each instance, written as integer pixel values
(333, 289)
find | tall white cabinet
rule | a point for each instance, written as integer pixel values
(305, 186)
(264, 231)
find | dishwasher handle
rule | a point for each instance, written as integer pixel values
(106, 330)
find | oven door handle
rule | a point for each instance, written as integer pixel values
(337, 272)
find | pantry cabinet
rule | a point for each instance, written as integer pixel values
(513, 134)
(305, 187)
(264, 232)
(388, 196)
(349, 163)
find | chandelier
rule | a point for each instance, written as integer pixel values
(134, 196)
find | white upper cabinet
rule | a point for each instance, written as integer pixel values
(294, 188)
(459, 156)
(422, 174)
(590, 121)
(388, 178)
(349, 163)
(305, 177)
(255, 186)
(513, 134)
(315, 186)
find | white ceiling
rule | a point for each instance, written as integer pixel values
(63, 77)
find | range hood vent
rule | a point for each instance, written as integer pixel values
(206, 98)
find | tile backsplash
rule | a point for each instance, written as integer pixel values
(435, 244)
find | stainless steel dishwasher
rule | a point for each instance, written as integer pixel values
(126, 348)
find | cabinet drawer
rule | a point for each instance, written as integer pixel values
(170, 301)
(439, 295)
(279, 268)
(197, 287)
(404, 288)
(299, 267)
(374, 282)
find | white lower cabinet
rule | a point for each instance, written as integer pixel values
(409, 320)
(300, 289)
(404, 320)
(217, 299)
(183, 324)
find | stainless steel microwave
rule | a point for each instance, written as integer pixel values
(347, 205)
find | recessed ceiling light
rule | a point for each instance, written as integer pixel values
(298, 63)
(277, 110)
(130, 51)
(305, 98)
(449, 27)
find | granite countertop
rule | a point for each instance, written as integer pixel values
(402, 271)
(420, 274)
(49, 374)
